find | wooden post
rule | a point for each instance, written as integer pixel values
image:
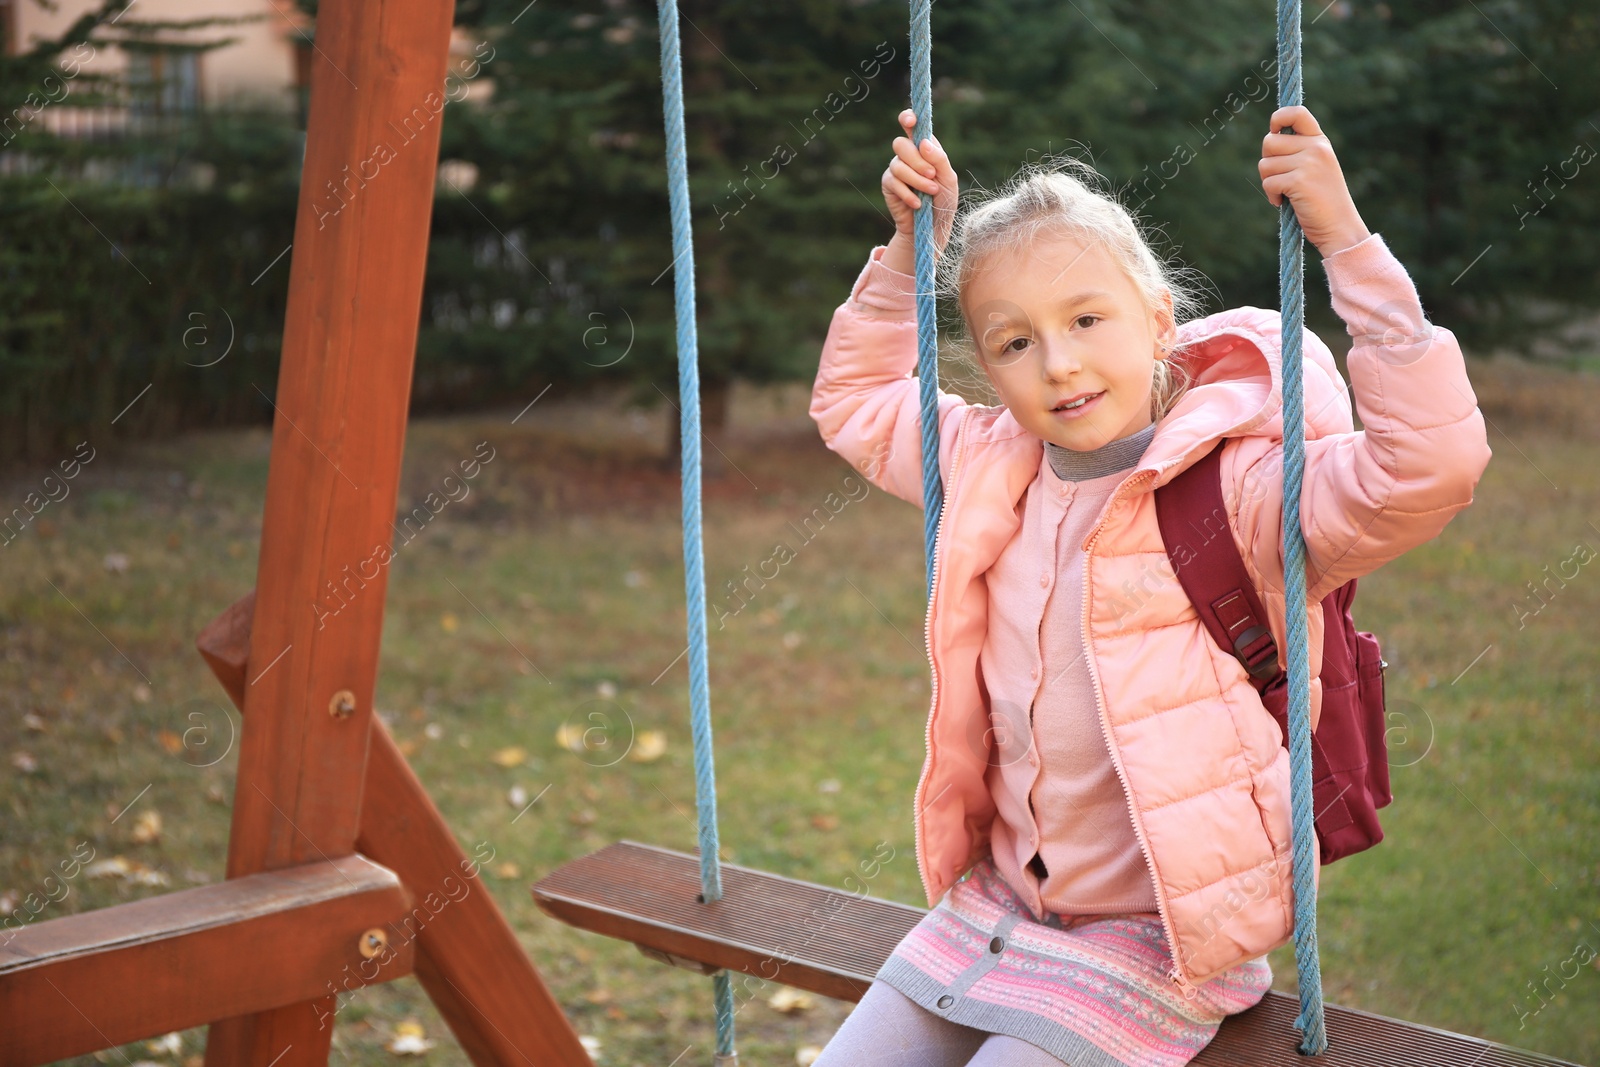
(467, 956)
(355, 291)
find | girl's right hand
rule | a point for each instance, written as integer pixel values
(919, 169)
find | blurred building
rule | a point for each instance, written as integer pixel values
(231, 53)
(160, 64)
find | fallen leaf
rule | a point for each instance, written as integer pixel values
(570, 737)
(147, 828)
(130, 871)
(828, 785)
(607, 689)
(598, 996)
(24, 762)
(806, 1055)
(408, 747)
(615, 1012)
(433, 731)
(825, 821)
(170, 1044)
(582, 817)
(513, 756)
(170, 741)
(517, 797)
(648, 746)
(409, 1039)
(788, 1001)
(448, 622)
(114, 867)
(215, 794)
(508, 870)
(141, 693)
(35, 722)
(116, 562)
(791, 640)
(113, 734)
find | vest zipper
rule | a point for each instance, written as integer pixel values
(1175, 972)
(927, 638)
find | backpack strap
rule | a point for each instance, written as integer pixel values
(1199, 541)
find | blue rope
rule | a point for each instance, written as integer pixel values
(705, 774)
(927, 327)
(1291, 269)
(1292, 297)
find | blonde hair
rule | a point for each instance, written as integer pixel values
(1064, 195)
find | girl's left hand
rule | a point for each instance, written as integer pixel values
(1303, 167)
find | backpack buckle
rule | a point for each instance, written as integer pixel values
(1263, 665)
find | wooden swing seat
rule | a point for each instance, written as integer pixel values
(832, 942)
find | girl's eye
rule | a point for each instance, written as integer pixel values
(1092, 319)
(1016, 344)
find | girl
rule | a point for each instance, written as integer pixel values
(1102, 820)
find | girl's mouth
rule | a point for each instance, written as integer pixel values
(1078, 410)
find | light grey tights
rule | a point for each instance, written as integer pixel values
(888, 1029)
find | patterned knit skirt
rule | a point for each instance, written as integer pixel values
(1089, 989)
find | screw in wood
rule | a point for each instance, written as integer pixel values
(374, 942)
(342, 704)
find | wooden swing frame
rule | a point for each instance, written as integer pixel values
(337, 859)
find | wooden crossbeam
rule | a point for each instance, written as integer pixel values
(467, 956)
(100, 978)
(832, 942)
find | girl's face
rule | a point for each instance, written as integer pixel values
(1058, 321)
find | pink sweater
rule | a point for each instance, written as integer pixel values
(1055, 787)
(1052, 777)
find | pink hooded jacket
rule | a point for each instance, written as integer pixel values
(1201, 760)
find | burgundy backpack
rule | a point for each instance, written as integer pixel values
(1349, 757)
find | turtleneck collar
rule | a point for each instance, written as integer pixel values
(1113, 456)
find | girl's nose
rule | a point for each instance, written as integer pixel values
(1057, 360)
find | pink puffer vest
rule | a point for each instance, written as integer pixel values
(1201, 760)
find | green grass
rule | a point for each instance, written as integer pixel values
(568, 552)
